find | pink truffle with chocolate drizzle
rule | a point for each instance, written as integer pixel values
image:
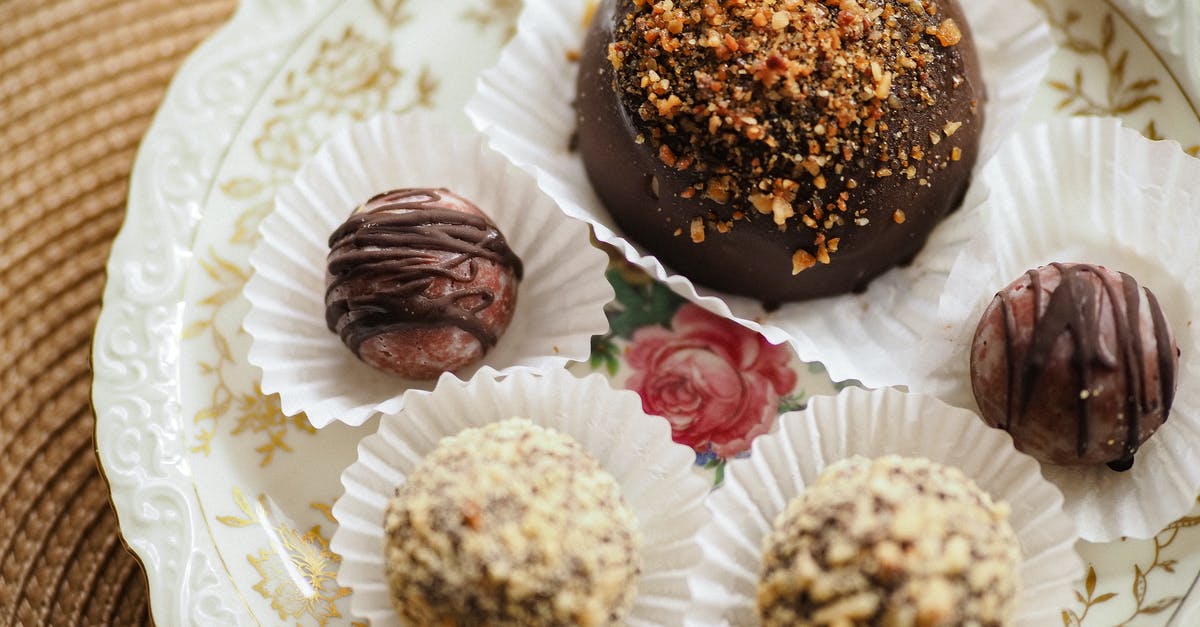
(420, 282)
(1077, 362)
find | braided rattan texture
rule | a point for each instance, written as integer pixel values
(79, 83)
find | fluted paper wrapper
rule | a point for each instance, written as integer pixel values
(525, 106)
(560, 300)
(658, 478)
(1087, 190)
(873, 424)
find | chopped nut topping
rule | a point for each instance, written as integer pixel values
(898, 216)
(762, 202)
(801, 261)
(752, 95)
(780, 20)
(823, 254)
(782, 210)
(947, 33)
(668, 107)
(479, 531)
(951, 128)
(666, 156)
(891, 541)
(697, 230)
(883, 87)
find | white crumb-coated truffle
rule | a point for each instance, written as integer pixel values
(511, 524)
(892, 542)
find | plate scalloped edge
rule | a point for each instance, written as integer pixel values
(139, 437)
(135, 359)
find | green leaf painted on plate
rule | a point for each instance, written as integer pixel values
(719, 477)
(793, 402)
(637, 306)
(605, 354)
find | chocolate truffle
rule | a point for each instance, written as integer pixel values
(1077, 362)
(511, 524)
(782, 149)
(420, 282)
(894, 541)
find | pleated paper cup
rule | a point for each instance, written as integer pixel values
(1087, 190)
(525, 106)
(658, 478)
(873, 424)
(560, 300)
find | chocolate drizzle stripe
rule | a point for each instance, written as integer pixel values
(1129, 343)
(1166, 361)
(398, 247)
(1133, 310)
(1075, 307)
(1010, 358)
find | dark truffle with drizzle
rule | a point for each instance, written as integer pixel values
(1077, 362)
(420, 282)
(779, 150)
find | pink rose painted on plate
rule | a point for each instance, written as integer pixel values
(717, 382)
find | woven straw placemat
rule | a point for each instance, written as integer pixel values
(79, 83)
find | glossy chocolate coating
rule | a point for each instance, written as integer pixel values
(420, 282)
(647, 198)
(1077, 362)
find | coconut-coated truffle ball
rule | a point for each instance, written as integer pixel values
(511, 524)
(894, 541)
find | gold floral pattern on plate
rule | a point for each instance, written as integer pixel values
(351, 76)
(500, 15)
(1119, 90)
(1145, 601)
(273, 554)
(297, 572)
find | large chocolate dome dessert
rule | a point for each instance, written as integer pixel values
(781, 150)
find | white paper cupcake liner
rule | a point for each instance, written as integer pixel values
(524, 105)
(560, 301)
(657, 477)
(1088, 190)
(873, 424)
